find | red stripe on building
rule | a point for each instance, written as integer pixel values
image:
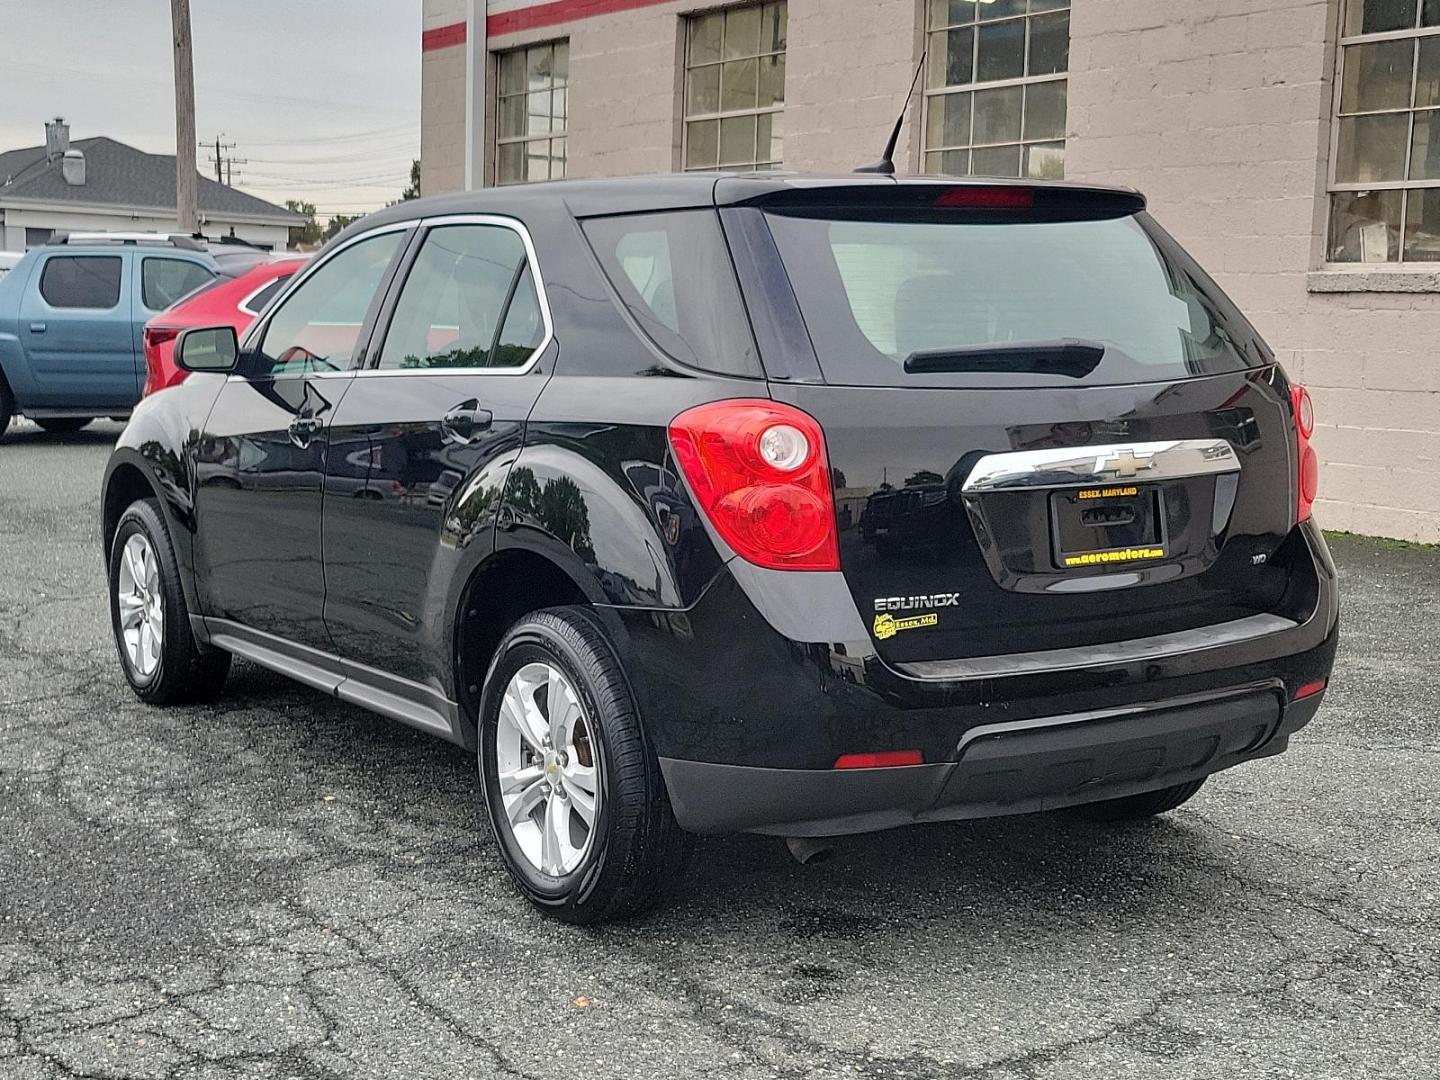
(442, 37)
(556, 11)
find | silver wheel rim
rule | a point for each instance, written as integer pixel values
(142, 607)
(548, 770)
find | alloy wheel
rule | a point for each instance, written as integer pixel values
(142, 606)
(548, 770)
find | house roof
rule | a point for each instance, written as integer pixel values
(120, 175)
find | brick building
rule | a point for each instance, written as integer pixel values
(1292, 145)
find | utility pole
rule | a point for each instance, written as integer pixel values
(186, 212)
(219, 158)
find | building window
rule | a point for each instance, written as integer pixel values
(995, 87)
(1385, 161)
(530, 108)
(735, 88)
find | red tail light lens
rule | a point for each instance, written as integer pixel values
(1310, 689)
(884, 759)
(155, 336)
(987, 198)
(1308, 468)
(759, 473)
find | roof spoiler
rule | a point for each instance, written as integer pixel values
(943, 198)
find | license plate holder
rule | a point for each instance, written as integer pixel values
(1115, 525)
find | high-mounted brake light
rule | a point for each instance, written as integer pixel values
(759, 473)
(1307, 464)
(987, 198)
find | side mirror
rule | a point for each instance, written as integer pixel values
(210, 348)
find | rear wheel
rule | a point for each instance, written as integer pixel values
(7, 406)
(573, 790)
(1137, 807)
(60, 425)
(161, 659)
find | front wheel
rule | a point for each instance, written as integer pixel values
(162, 661)
(1137, 807)
(573, 790)
(7, 406)
(63, 425)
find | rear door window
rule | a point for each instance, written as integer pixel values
(992, 302)
(674, 275)
(166, 281)
(258, 300)
(81, 281)
(468, 301)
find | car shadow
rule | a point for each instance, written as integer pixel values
(97, 433)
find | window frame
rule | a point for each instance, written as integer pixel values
(73, 257)
(1343, 42)
(689, 19)
(929, 95)
(401, 271)
(523, 140)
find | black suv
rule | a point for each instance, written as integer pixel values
(793, 505)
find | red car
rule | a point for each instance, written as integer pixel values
(234, 300)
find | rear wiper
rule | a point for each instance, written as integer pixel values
(1074, 357)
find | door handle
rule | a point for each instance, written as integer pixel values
(305, 428)
(37, 327)
(466, 420)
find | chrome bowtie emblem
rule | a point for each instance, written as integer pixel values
(1124, 463)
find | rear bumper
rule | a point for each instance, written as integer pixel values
(1003, 769)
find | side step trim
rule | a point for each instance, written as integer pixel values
(1090, 656)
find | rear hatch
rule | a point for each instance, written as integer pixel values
(1047, 427)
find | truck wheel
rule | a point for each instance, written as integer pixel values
(1136, 807)
(60, 425)
(573, 790)
(162, 661)
(7, 406)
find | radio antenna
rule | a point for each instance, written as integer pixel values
(886, 165)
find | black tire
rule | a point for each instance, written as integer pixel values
(63, 425)
(7, 406)
(637, 851)
(186, 672)
(1138, 807)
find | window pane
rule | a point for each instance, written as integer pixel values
(952, 58)
(317, 326)
(705, 38)
(1427, 82)
(1425, 147)
(524, 326)
(738, 85)
(742, 32)
(512, 72)
(1377, 76)
(1001, 51)
(952, 162)
(1045, 161)
(1048, 5)
(1001, 9)
(1422, 226)
(703, 90)
(702, 144)
(561, 63)
(1364, 226)
(1430, 13)
(772, 80)
(1375, 16)
(81, 281)
(164, 281)
(537, 160)
(538, 67)
(538, 113)
(949, 121)
(997, 115)
(1372, 148)
(737, 140)
(995, 161)
(773, 28)
(1045, 110)
(557, 159)
(952, 12)
(511, 116)
(509, 165)
(1050, 44)
(768, 137)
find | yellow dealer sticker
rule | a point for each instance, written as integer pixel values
(887, 626)
(1100, 558)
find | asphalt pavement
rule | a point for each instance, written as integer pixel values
(282, 885)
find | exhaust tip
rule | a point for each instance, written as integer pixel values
(809, 851)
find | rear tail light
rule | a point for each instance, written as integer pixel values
(1310, 689)
(884, 759)
(1308, 465)
(155, 336)
(759, 473)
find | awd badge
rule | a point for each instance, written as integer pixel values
(887, 626)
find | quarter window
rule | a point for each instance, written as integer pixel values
(81, 281)
(164, 281)
(1385, 166)
(735, 88)
(318, 325)
(995, 88)
(469, 301)
(531, 108)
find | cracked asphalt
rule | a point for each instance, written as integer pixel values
(284, 886)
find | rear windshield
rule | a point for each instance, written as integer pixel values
(1010, 303)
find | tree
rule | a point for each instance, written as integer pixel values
(338, 222)
(413, 191)
(309, 233)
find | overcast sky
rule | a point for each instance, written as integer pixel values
(321, 96)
